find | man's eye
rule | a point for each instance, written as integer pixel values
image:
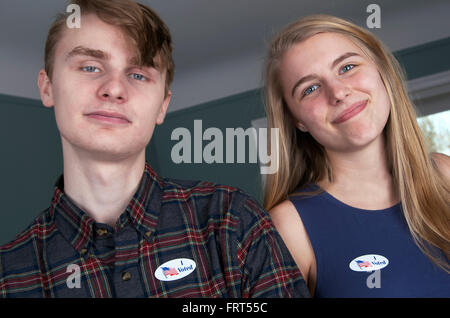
(90, 69)
(346, 68)
(310, 89)
(138, 77)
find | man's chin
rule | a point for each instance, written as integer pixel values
(113, 154)
(106, 150)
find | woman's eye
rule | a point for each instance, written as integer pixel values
(90, 69)
(310, 89)
(346, 68)
(138, 77)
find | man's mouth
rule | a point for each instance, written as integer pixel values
(109, 117)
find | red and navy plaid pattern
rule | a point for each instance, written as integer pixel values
(226, 233)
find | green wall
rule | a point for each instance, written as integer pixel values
(231, 112)
(30, 162)
(31, 157)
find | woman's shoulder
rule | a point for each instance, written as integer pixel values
(442, 162)
(288, 222)
(290, 226)
(283, 210)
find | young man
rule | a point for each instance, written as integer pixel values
(114, 228)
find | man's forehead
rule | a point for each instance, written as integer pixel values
(87, 40)
(95, 33)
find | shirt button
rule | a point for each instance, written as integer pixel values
(102, 232)
(148, 233)
(126, 276)
(83, 251)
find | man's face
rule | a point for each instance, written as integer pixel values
(106, 106)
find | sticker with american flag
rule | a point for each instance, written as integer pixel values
(368, 263)
(169, 271)
(175, 269)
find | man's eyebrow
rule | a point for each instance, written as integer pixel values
(139, 63)
(312, 76)
(81, 50)
(99, 54)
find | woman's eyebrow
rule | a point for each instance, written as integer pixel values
(343, 57)
(300, 81)
(312, 76)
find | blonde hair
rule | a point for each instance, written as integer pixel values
(424, 193)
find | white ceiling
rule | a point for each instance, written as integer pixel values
(212, 38)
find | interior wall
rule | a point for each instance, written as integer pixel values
(32, 156)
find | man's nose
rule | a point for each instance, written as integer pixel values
(113, 89)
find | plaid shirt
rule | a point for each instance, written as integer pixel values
(226, 240)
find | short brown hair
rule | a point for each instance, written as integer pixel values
(141, 24)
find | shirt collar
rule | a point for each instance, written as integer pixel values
(78, 228)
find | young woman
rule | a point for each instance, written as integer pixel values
(361, 205)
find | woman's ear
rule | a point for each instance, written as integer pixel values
(45, 89)
(301, 126)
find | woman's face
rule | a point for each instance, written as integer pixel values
(335, 92)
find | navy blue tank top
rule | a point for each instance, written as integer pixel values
(366, 253)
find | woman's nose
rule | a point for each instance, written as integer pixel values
(337, 91)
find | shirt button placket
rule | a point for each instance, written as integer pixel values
(127, 283)
(127, 277)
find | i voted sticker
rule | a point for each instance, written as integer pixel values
(368, 263)
(175, 269)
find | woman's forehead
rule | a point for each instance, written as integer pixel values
(320, 50)
(324, 45)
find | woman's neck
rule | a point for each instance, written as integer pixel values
(362, 178)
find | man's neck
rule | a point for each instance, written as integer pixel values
(102, 189)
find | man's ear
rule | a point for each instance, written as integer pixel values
(163, 109)
(45, 89)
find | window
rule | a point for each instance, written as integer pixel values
(436, 131)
